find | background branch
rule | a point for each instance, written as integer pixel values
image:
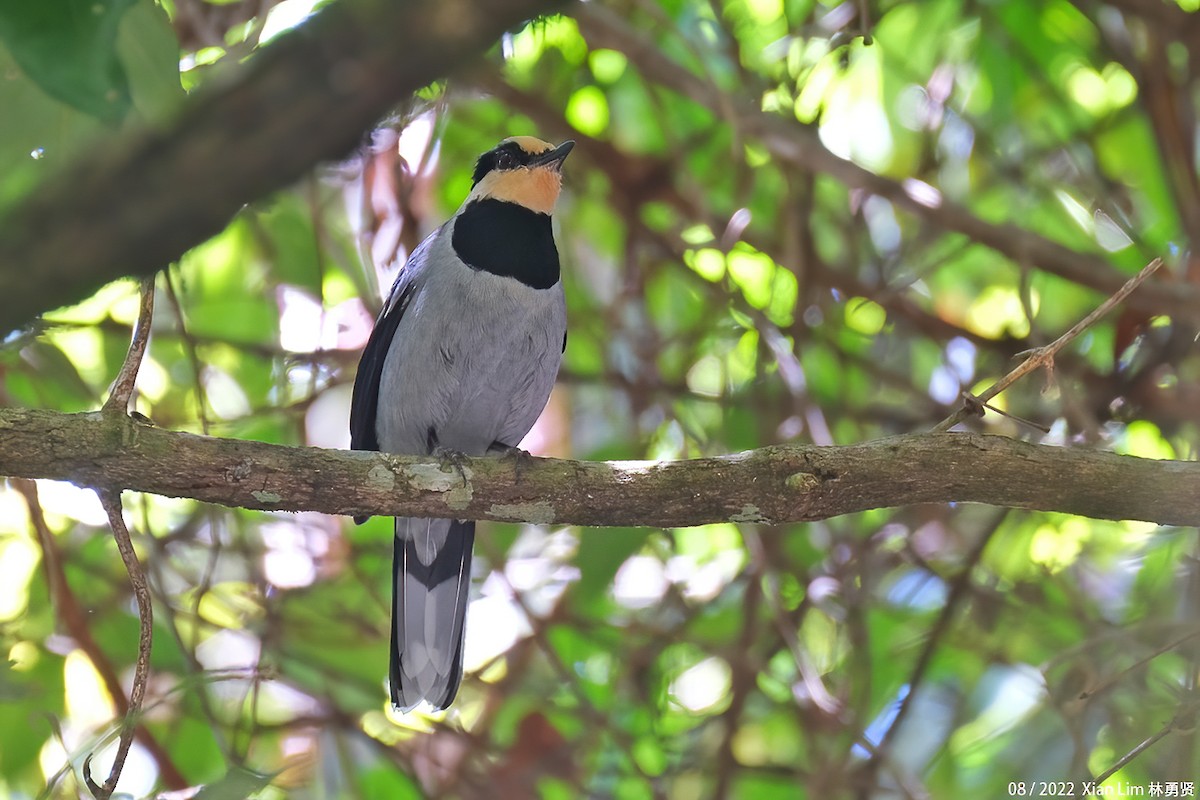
(305, 98)
(801, 147)
(772, 484)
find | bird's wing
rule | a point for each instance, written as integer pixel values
(365, 401)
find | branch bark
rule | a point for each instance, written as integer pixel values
(305, 98)
(787, 483)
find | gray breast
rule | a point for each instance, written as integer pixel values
(472, 361)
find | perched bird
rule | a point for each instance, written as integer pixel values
(462, 360)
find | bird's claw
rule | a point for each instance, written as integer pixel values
(455, 458)
(509, 451)
(520, 458)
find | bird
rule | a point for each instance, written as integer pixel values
(461, 361)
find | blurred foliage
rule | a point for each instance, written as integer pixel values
(718, 303)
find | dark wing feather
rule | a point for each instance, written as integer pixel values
(365, 401)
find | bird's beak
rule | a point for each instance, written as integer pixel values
(553, 158)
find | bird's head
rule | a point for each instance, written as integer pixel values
(522, 170)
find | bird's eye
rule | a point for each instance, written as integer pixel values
(505, 160)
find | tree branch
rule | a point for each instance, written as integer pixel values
(305, 98)
(787, 483)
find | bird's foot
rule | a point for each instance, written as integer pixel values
(509, 451)
(454, 458)
(520, 458)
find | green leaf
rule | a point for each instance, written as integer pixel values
(51, 128)
(149, 52)
(194, 747)
(238, 783)
(48, 133)
(390, 783)
(289, 229)
(600, 556)
(29, 700)
(58, 372)
(69, 49)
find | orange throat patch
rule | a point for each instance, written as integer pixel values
(535, 188)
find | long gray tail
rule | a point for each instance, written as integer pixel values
(431, 575)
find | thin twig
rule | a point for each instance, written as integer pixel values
(73, 618)
(958, 591)
(122, 388)
(864, 21)
(1044, 356)
(1112, 680)
(118, 402)
(1182, 721)
(1037, 426)
(141, 591)
(810, 676)
(195, 671)
(743, 675)
(193, 353)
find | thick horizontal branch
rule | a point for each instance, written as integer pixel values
(132, 205)
(789, 483)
